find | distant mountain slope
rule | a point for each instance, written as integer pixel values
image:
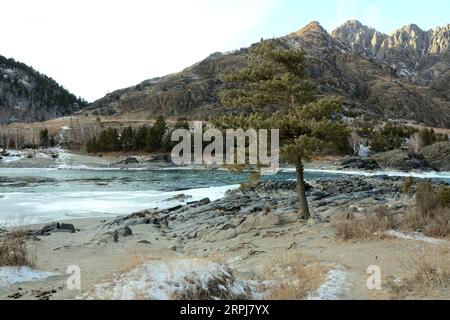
(402, 76)
(27, 95)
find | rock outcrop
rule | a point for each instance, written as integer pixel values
(257, 210)
(438, 155)
(412, 52)
(402, 160)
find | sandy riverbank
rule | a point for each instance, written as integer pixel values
(237, 232)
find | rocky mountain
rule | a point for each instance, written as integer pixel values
(402, 76)
(27, 95)
(420, 55)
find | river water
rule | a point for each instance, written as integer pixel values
(44, 195)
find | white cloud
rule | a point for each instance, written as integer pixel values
(92, 47)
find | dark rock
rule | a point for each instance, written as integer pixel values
(402, 160)
(203, 202)
(174, 208)
(130, 160)
(319, 195)
(360, 164)
(438, 155)
(179, 197)
(57, 227)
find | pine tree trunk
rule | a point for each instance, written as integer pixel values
(301, 191)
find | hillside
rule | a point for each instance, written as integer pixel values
(402, 76)
(27, 95)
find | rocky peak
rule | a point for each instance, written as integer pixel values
(313, 27)
(409, 37)
(439, 40)
(409, 50)
(359, 38)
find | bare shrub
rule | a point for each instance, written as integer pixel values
(439, 225)
(407, 186)
(426, 199)
(13, 248)
(299, 282)
(427, 274)
(368, 226)
(431, 215)
(295, 278)
(218, 288)
(443, 197)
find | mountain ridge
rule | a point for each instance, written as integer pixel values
(28, 95)
(402, 76)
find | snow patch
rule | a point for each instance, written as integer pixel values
(334, 288)
(12, 156)
(363, 151)
(417, 236)
(420, 175)
(12, 275)
(162, 280)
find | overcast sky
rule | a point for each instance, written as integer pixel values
(93, 47)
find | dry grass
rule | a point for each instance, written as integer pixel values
(431, 215)
(217, 288)
(13, 248)
(295, 279)
(432, 224)
(427, 274)
(365, 227)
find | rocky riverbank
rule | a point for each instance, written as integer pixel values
(248, 231)
(432, 158)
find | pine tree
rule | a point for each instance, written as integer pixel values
(127, 139)
(156, 134)
(278, 78)
(43, 137)
(141, 138)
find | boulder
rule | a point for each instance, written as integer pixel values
(57, 227)
(360, 164)
(203, 202)
(402, 160)
(124, 231)
(179, 197)
(438, 155)
(131, 160)
(262, 221)
(267, 221)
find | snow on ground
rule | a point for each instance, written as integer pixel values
(418, 174)
(13, 155)
(415, 236)
(163, 279)
(16, 155)
(166, 279)
(333, 289)
(43, 207)
(12, 275)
